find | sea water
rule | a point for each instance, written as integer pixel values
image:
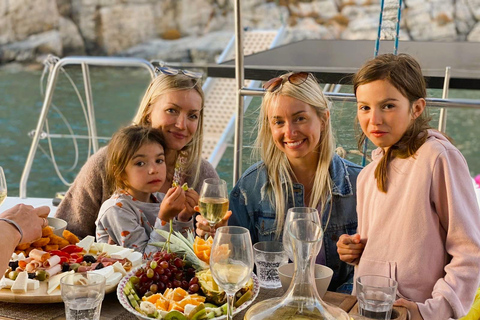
(83, 309)
(375, 305)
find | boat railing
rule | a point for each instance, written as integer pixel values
(84, 62)
(444, 103)
(242, 92)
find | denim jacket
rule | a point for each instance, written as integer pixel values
(252, 210)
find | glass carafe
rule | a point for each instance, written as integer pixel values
(301, 301)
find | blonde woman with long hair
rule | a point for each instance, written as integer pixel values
(173, 103)
(298, 168)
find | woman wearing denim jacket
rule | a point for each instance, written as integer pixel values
(299, 168)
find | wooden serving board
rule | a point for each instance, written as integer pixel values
(38, 296)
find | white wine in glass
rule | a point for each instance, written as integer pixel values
(3, 186)
(213, 200)
(231, 261)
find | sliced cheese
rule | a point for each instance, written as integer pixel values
(54, 282)
(111, 248)
(106, 272)
(122, 254)
(117, 267)
(3, 284)
(20, 284)
(136, 258)
(86, 243)
(32, 284)
(113, 279)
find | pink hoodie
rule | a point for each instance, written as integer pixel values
(425, 232)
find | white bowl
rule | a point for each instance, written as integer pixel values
(323, 276)
(57, 224)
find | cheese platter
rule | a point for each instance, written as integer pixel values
(35, 278)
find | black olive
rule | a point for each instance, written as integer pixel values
(13, 265)
(31, 275)
(65, 267)
(89, 258)
(99, 266)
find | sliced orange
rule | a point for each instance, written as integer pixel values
(188, 300)
(202, 248)
(179, 294)
(153, 298)
(162, 304)
(175, 306)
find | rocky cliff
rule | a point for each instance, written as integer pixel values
(198, 30)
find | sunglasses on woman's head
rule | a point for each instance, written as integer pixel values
(296, 78)
(169, 71)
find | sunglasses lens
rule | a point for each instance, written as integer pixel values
(169, 71)
(272, 84)
(192, 74)
(298, 78)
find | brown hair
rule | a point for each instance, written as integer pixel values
(405, 74)
(121, 149)
(168, 83)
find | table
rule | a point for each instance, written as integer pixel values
(112, 310)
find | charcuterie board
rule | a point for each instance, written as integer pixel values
(39, 295)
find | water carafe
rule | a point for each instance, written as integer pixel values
(301, 301)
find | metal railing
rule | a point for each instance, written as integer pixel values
(84, 62)
(242, 92)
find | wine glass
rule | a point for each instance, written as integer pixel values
(3, 186)
(231, 261)
(293, 214)
(213, 200)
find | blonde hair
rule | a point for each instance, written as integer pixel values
(276, 162)
(163, 84)
(121, 149)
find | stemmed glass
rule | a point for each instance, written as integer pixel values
(3, 186)
(213, 200)
(294, 214)
(231, 261)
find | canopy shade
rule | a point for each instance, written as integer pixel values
(334, 61)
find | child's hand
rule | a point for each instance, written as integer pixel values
(350, 248)
(191, 201)
(204, 228)
(172, 204)
(412, 307)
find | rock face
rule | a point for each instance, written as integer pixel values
(198, 30)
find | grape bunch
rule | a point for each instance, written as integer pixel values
(164, 270)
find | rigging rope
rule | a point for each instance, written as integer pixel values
(388, 9)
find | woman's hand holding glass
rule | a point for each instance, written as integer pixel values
(213, 202)
(231, 261)
(293, 214)
(203, 227)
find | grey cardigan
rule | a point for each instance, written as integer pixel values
(89, 190)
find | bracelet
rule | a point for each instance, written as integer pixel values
(13, 223)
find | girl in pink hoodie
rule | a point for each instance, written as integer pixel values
(418, 217)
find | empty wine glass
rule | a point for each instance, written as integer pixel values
(3, 186)
(231, 261)
(213, 200)
(293, 214)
